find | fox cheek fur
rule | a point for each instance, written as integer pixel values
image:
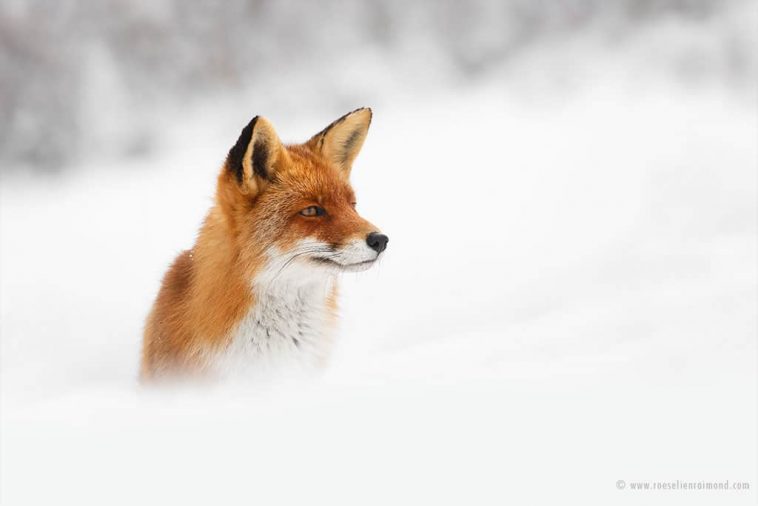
(259, 285)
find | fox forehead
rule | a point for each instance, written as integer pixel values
(307, 176)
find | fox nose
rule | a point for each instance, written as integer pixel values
(377, 241)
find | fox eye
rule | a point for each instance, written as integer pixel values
(313, 211)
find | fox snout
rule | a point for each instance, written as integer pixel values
(353, 255)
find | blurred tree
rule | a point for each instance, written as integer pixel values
(70, 69)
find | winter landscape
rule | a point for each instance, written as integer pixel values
(567, 306)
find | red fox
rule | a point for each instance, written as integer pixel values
(259, 284)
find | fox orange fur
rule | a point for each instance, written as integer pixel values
(259, 285)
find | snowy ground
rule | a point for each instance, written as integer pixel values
(568, 299)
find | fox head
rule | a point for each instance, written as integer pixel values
(292, 205)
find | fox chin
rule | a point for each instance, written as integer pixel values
(259, 286)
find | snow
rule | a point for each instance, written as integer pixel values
(568, 299)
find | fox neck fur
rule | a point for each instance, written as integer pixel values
(290, 323)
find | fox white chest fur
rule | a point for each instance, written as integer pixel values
(289, 325)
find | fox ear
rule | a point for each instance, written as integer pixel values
(341, 141)
(255, 156)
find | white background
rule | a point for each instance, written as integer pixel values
(568, 299)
